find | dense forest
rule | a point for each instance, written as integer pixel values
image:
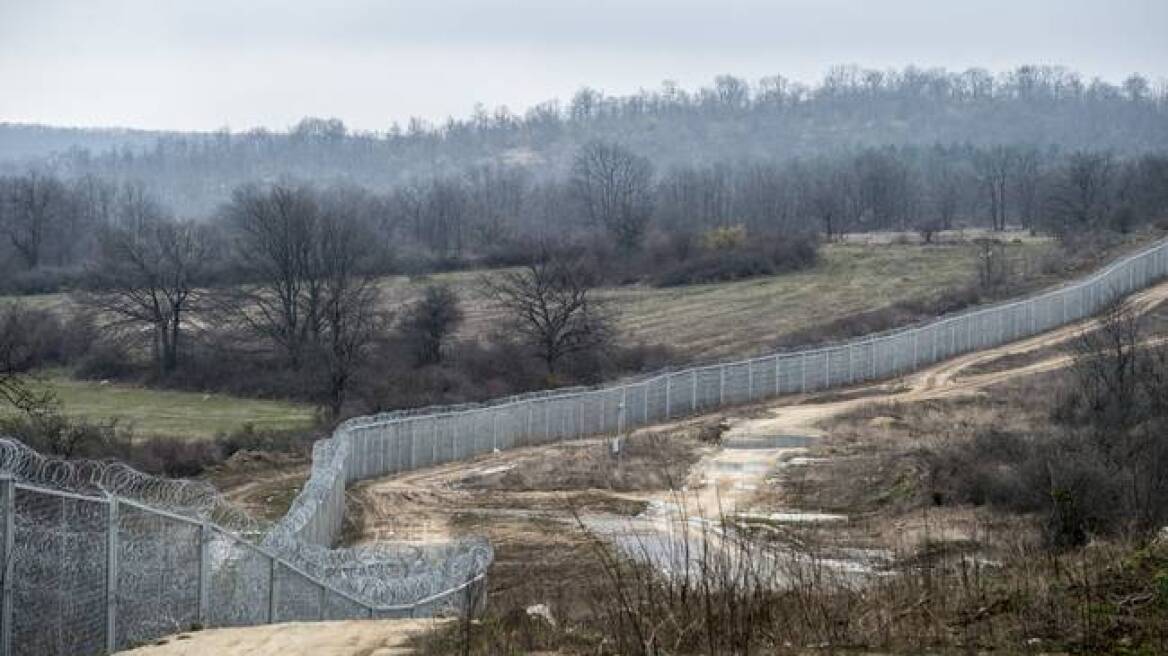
(732, 121)
(1037, 147)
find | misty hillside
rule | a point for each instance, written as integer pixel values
(24, 142)
(731, 121)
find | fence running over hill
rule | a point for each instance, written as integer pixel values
(389, 443)
(85, 571)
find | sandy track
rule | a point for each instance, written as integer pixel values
(356, 638)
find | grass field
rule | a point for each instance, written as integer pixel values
(151, 412)
(701, 322)
(742, 318)
(746, 317)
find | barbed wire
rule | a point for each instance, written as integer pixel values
(381, 574)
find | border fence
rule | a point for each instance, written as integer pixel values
(90, 573)
(390, 443)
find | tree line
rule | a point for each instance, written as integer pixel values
(622, 202)
(732, 119)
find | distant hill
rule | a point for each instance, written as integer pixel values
(731, 121)
(23, 142)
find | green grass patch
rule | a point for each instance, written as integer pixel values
(151, 412)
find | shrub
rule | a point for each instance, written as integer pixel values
(720, 266)
(49, 431)
(249, 438)
(106, 360)
(174, 457)
(36, 338)
(727, 258)
(724, 239)
(42, 280)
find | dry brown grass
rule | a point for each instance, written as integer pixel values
(957, 579)
(744, 317)
(941, 596)
(647, 460)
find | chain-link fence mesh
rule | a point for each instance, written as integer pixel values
(98, 556)
(58, 585)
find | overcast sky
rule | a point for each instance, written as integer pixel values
(204, 64)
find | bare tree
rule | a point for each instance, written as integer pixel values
(943, 191)
(309, 258)
(350, 310)
(994, 168)
(1080, 195)
(16, 358)
(1118, 391)
(1027, 186)
(430, 322)
(551, 305)
(928, 227)
(34, 203)
(991, 263)
(148, 274)
(276, 233)
(614, 187)
(495, 198)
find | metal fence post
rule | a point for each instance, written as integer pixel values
(273, 597)
(494, 431)
(8, 484)
(778, 384)
(750, 380)
(454, 441)
(721, 385)
(620, 416)
(204, 572)
(916, 349)
(668, 392)
(693, 392)
(413, 449)
(603, 415)
(111, 576)
(872, 357)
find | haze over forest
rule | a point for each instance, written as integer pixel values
(731, 120)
